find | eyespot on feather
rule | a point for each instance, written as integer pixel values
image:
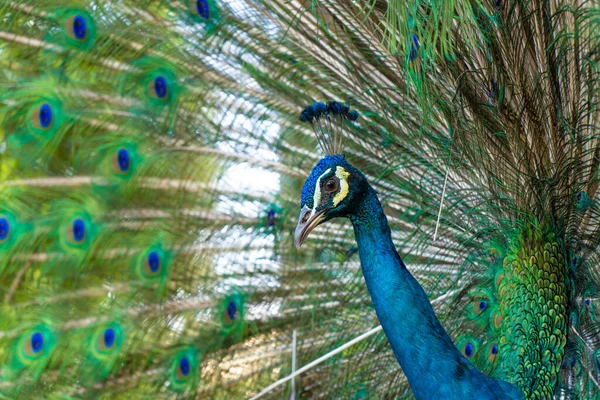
(121, 161)
(480, 304)
(34, 345)
(79, 28)
(76, 231)
(231, 311)
(469, 348)
(106, 340)
(152, 263)
(492, 352)
(42, 116)
(76, 28)
(200, 8)
(159, 88)
(4, 229)
(183, 369)
(414, 47)
(231, 315)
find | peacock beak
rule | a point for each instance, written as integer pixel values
(307, 221)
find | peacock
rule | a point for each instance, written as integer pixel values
(443, 156)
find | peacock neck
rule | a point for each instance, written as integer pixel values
(432, 364)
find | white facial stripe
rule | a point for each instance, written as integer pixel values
(342, 175)
(317, 195)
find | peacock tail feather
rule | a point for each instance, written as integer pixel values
(152, 158)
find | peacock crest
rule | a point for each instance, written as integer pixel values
(327, 122)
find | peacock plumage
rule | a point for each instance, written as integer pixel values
(152, 154)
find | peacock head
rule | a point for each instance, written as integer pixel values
(333, 185)
(333, 189)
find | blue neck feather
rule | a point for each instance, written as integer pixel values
(433, 365)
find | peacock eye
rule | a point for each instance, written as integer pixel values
(331, 185)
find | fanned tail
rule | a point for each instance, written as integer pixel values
(151, 157)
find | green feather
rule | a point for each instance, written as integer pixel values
(151, 266)
(231, 314)
(105, 344)
(36, 119)
(154, 83)
(183, 371)
(78, 28)
(31, 351)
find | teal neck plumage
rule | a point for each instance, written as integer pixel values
(433, 365)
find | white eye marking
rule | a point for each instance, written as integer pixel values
(342, 175)
(317, 195)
